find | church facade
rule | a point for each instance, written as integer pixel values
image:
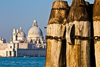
(19, 46)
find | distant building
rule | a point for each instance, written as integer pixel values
(35, 45)
(2, 40)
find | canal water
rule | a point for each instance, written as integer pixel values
(23, 62)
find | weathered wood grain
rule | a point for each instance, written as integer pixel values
(96, 25)
(56, 49)
(54, 46)
(85, 44)
(78, 53)
(97, 42)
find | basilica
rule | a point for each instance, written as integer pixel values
(21, 45)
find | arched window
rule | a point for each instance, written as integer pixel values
(31, 41)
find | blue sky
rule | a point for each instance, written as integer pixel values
(16, 13)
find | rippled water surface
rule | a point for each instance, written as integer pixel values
(22, 62)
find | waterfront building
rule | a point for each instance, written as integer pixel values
(19, 46)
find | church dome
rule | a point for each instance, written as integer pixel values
(21, 33)
(35, 30)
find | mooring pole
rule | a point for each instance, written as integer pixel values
(56, 44)
(78, 25)
(96, 25)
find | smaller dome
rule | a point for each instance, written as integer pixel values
(21, 34)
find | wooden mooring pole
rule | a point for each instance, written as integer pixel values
(78, 25)
(56, 46)
(96, 25)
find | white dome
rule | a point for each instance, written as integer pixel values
(35, 30)
(21, 34)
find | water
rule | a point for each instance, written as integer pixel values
(22, 62)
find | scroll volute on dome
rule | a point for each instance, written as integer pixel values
(59, 12)
(96, 10)
(78, 11)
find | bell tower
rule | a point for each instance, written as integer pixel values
(14, 35)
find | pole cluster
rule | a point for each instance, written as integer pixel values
(73, 34)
